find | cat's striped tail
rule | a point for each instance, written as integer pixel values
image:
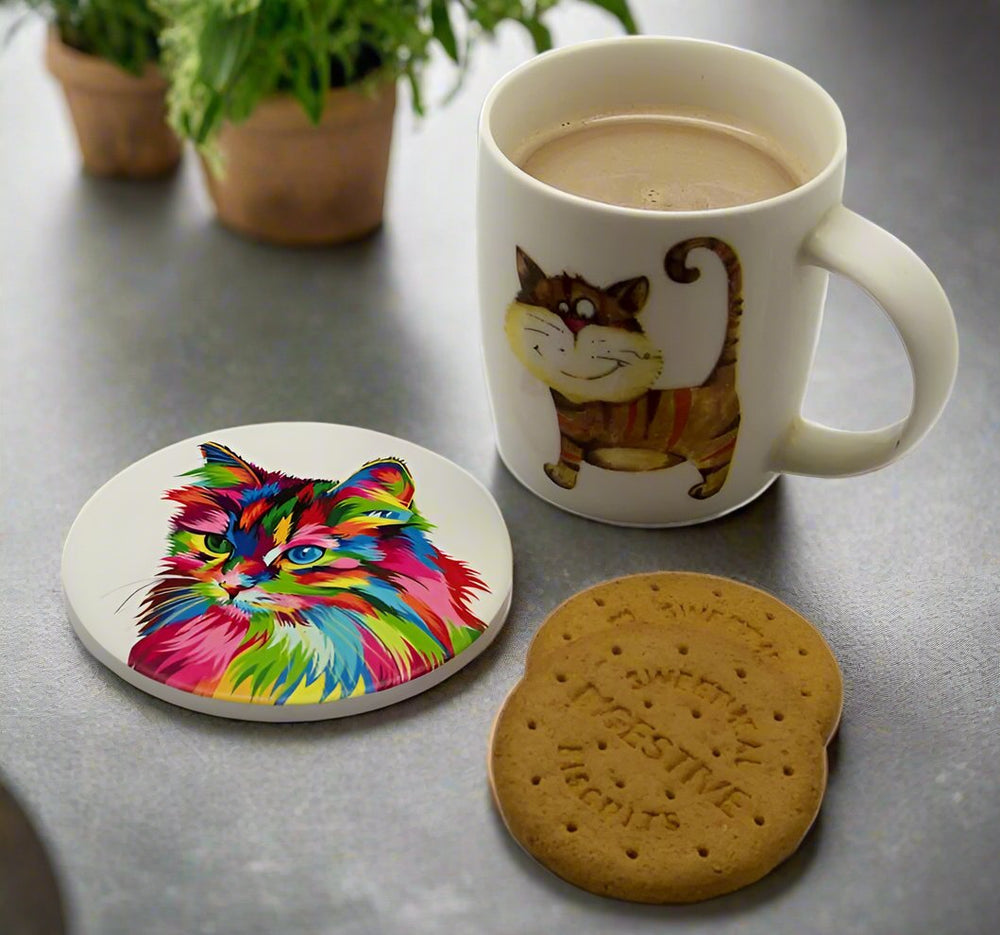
(675, 264)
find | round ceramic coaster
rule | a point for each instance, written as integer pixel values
(288, 572)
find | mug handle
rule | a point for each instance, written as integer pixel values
(899, 281)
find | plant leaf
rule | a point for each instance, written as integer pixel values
(618, 9)
(540, 34)
(443, 31)
(225, 56)
(208, 118)
(223, 47)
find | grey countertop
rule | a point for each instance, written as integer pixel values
(131, 320)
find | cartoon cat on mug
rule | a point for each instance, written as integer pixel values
(587, 345)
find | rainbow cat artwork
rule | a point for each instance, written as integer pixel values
(285, 590)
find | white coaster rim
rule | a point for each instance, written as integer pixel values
(501, 589)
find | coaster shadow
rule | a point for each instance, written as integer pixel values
(388, 718)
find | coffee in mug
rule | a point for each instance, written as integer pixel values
(660, 161)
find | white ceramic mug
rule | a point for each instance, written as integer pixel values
(729, 300)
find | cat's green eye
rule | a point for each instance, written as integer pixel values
(217, 544)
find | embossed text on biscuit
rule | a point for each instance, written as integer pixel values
(694, 773)
(612, 807)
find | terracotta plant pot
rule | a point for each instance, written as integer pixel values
(119, 118)
(286, 181)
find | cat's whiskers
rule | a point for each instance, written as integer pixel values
(546, 322)
(144, 584)
(141, 582)
(639, 356)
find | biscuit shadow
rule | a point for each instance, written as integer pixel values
(620, 912)
(833, 753)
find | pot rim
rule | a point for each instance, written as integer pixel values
(346, 106)
(73, 67)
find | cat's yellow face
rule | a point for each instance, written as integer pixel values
(582, 341)
(597, 363)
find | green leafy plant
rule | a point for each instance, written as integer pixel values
(224, 56)
(124, 32)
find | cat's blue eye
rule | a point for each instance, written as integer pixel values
(304, 554)
(401, 516)
(584, 308)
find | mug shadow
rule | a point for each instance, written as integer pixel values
(748, 544)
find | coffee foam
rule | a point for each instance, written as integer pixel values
(660, 161)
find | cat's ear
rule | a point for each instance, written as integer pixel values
(219, 456)
(528, 272)
(631, 294)
(377, 481)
